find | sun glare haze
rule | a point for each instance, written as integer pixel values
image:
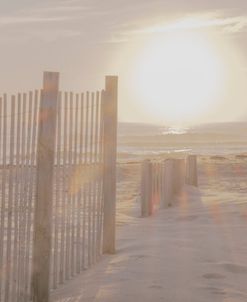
(179, 77)
(182, 72)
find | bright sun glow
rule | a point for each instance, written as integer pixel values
(179, 77)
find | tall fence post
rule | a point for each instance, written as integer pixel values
(146, 188)
(109, 167)
(43, 203)
(191, 170)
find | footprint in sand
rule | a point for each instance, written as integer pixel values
(229, 295)
(156, 286)
(215, 290)
(234, 268)
(138, 257)
(213, 276)
(187, 218)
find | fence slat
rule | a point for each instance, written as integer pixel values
(2, 167)
(4, 180)
(23, 198)
(146, 189)
(76, 190)
(93, 177)
(8, 294)
(56, 203)
(22, 99)
(96, 177)
(33, 183)
(90, 185)
(27, 193)
(100, 192)
(81, 197)
(86, 190)
(17, 204)
(71, 195)
(62, 191)
(66, 172)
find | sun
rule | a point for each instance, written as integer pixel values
(178, 78)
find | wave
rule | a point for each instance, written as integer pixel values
(208, 139)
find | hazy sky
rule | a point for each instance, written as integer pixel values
(86, 40)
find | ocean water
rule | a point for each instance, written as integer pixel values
(143, 140)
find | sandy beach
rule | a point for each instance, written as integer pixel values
(123, 151)
(194, 251)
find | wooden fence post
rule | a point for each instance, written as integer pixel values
(43, 203)
(146, 189)
(168, 183)
(191, 170)
(109, 166)
(182, 169)
(179, 175)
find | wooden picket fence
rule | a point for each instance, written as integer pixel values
(161, 181)
(57, 186)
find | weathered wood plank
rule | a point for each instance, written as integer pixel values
(109, 170)
(43, 205)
